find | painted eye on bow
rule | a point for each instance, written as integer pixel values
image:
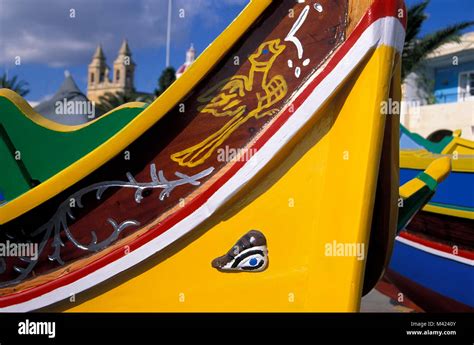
(249, 254)
(250, 261)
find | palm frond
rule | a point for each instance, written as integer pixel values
(18, 86)
(417, 51)
(417, 48)
(416, 17)
(110, 101)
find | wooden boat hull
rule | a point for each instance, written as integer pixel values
(454, 196)
(432, 261)
(33, 140)
(453, 144)
(435, 276)
(181, 279)
(294, 189)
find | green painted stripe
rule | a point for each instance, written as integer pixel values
(429, 145)
(412, 205)
(21, 166)
(428, 180)
(46, 152)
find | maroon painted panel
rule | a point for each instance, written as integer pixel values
(171, 162)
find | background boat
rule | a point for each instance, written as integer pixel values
(148, 233)
(433, 257)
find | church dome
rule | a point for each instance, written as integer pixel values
(190, 57)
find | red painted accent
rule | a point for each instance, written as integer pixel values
(386, 287)
(467, 254)
(379, 9)
(429, 300)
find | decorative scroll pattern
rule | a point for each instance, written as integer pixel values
(59, 221)
(291, 37)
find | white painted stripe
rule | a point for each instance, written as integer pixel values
(435, 251)
(385, 31)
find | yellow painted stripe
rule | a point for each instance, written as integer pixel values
(410, 187)
(438, 170)
(162, 105)
(42, 121)
(420, 159)
(449, 211)
(460, 146)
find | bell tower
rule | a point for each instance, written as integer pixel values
(98, 80)
(97, 73)
(124, 69)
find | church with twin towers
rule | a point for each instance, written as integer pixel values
(98, 76)
(123, 72)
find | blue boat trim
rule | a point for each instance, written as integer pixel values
(447, 277)
(451, 192)
(468, 209)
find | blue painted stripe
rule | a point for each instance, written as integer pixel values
(457, 189)
(447, 277)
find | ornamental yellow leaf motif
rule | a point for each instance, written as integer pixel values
(225, 99)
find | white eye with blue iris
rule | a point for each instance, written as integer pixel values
(251, 260)
(249, 254)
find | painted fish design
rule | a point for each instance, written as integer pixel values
(225, 99)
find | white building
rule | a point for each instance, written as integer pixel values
(190, 57)
(449, 104)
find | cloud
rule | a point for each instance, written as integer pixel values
(65, 33)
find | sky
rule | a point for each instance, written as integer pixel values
(51, 36)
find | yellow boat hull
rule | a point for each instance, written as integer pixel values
(320, 184)
(319, 194)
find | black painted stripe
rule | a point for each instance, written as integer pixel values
(246, 255)
(260, 264)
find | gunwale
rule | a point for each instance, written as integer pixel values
(374, 15)
(153, 113)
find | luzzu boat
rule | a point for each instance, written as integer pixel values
(433, 258)
(269, 158)
(35, 150)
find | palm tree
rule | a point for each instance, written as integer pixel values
(168, 76)
(19, 86)
(417, 48)
(110, 101)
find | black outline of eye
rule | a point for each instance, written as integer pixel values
(246, 255)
